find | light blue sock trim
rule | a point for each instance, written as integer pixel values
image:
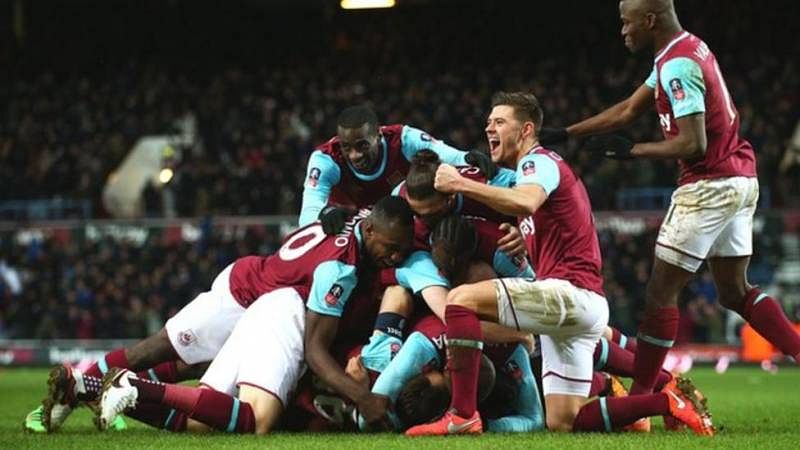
(760, 297)
(234, 416)
(601, 363)
(656, 341)
(102, 365)
(604, 413)
(623, 340)
(465, 343)
(169, 418)
(152, 374)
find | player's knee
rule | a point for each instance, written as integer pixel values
(559, 423)
(730, 298)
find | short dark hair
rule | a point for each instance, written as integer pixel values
(526, 106)
(392, 212)
(457, 239)
(420, 402)
(421, 174)
(356, 117)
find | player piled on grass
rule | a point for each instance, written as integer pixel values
(711, 215)
(565, 305)
(308, 261)
(363, 163)
(419, 389)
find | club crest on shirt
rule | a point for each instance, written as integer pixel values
(528, 168)
(186, 337)
(313, 177)
(333, 296)
(676, 87)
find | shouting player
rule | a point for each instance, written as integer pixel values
(566, 305)
(711, 215)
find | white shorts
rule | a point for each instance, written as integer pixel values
(265, 349)
(198, 331)
(569, 320)
(708, 218)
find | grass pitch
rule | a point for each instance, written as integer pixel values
(752, 409)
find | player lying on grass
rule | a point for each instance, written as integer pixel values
(363, 163)
(414, 382)
(199, 330)
(566, 305)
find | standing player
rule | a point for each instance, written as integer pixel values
(711, 215)
(298, 296)
(566, 305)
(364, 162)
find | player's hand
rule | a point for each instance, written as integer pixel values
(373, 408)
(549, 136)
(447, 179)
(482, 161)
(333, 218)
(529, 341)
(512, 242)
(611, 146)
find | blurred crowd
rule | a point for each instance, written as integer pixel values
(62, 133)
(112, 287)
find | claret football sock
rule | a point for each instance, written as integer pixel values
(114, 358)
(608, 414)
(464, 345)
(656, 336)
(165, 372)
(766, 316)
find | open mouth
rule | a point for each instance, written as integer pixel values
(494, 143)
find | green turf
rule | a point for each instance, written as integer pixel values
(752, 409)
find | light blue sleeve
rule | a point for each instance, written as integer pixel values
(504, 178)
(417, 352)
(651, 79)
(530, 414)
(333, 283)
(380, 350)
(414, 140)
(539, 169)
(508, 267)
(419, 272)
(322, 174)
(682, 80)
(396, 189)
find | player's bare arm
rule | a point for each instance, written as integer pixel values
(616, 117)
(319, 335)
(521, 200)
(689, 144)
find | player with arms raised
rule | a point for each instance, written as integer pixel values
(711, 215)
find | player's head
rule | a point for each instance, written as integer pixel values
(512, 126)
(642, 20)
(423, 398)
(426, 202)
(388, 231)
(357, 128)
(427, 395)
(453, 244)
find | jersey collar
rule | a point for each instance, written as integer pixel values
(681, 35)
(357, 233)
(379, 171)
